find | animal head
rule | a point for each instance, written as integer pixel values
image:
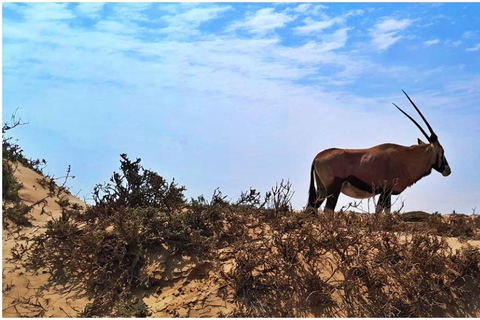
(441, 163)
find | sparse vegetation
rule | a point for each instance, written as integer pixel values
(12, 151)
(350, 262)
(14, 210)
(284, 263)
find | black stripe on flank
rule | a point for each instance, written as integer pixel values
(360, 184)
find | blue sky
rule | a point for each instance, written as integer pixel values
(239, 95)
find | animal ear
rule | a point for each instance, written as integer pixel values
(420, 141)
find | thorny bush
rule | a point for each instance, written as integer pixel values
(13, 210)
(288, 264)
(106, 246)
(354, 265)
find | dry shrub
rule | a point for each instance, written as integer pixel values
(454, 225)
(280, 198)
(457, 225)
(415, 216)
(357, 263)
(285, 263)
(105, 248)
(271, 269)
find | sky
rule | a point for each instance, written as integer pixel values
(240, 95)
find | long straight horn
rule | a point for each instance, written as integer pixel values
(424, 133)
(433, 135)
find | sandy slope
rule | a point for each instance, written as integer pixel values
(188, 288)
(19, 285)
(183, 287)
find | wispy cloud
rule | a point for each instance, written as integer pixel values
(46, 12)
(187, 22)
(432, 42)
(308, 9)
(388, 32)
(453, 44)
(89, 9)
(317, 25)
(186, 73)
(263, 21)
(474, 48)
(311, 25)
(470, 34)
(131, 11)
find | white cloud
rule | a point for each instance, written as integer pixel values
(311, 25)
(195, 16)
(131, 11)
(474, 48)
(89, 9)
(263, 21)
(335, 40)
(453, 44)
(313, 52)
(185, 23)
(229, 92)
(308, 8)
(390, 25)
(470, 34)
(303, 8)
(46, 11)
(318, 25)
(431, 42)
(357, 12)
(387, 32)
(116, 27)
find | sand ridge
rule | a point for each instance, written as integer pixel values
(181, 286)
(188, 288)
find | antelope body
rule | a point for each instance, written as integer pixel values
(385, 170)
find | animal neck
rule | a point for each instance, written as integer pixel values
(422, 161)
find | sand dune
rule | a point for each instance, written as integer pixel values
(19, 285)
(183, 286)
(189, 289)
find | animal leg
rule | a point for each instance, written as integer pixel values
(384, 202)
(316, 195)
(388, 203)
(333, 191)
(321, 194)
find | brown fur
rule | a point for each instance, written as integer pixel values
(374, 166)
(386, 167)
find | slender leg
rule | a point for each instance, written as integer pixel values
(321, 195)
(316, 195)
(388, 202)
(333, 191)
(379, 207)
(384, 202)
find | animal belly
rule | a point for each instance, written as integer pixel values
(353, 192)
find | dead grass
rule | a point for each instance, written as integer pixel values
(142, 235)
(349, 262)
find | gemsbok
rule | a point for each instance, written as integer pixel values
(385, 170)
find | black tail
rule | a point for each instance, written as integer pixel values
(312, 193)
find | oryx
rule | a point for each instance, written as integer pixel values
(386, 169)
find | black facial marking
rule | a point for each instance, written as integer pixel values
(440, 163)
